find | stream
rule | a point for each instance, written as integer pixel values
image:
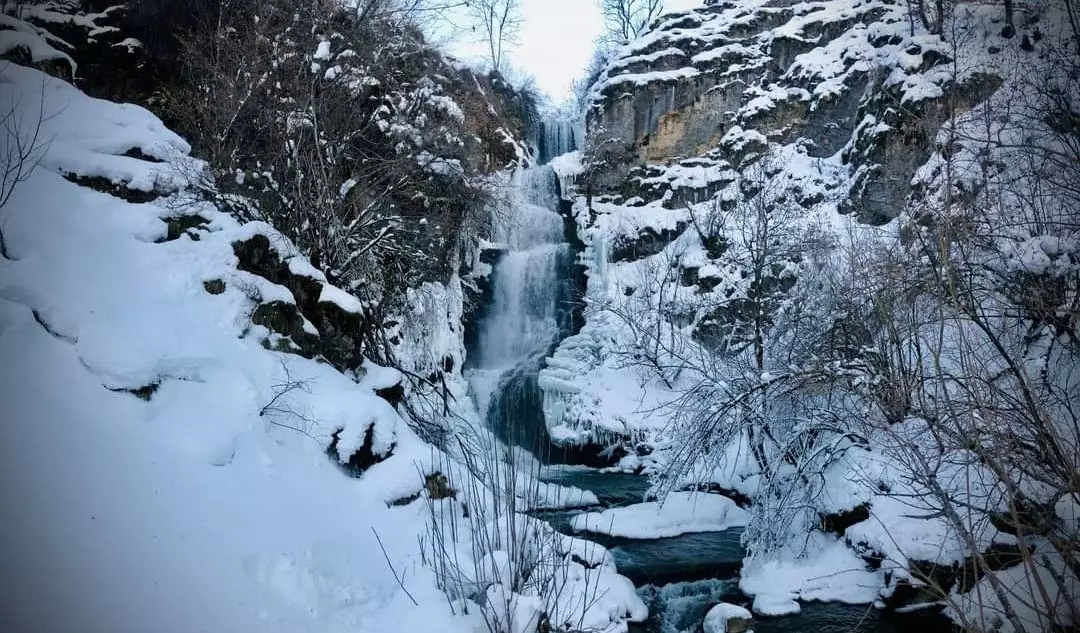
(529, 311)
(682, 577)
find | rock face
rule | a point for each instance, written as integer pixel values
(339, 329)
(801, 109)
(709, 87)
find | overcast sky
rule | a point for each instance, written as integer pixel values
(557, 40)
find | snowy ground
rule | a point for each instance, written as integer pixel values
(200, 514)
(188, 510)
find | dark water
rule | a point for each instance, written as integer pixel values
(681, 607)
(648, 561)
(681, 578)
(682, 558)
(659, 561)
(613, 489)
(832, 617)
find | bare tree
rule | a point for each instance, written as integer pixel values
(499, 22)
(627, 19)
(972, 350)
(932, 19)
(21, 147)
(485, 549)
(326, 120)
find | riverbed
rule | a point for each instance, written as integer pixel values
(682, 577)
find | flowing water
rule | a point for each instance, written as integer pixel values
(557, 138)
(681, 578)
(530, 311)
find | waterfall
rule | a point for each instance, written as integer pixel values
(530, 311)
(557, 137)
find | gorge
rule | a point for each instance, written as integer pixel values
(306, 324)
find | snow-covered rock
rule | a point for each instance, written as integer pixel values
(679, 513)
(727, 618)
(819, 567)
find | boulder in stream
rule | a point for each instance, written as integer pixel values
(727, 618)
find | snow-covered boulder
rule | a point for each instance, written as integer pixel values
(679, 513)
(727, 618)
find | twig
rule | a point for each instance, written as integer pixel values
(391, 566)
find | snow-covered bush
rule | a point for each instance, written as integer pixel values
(515, 570)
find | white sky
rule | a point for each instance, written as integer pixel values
(557, 39)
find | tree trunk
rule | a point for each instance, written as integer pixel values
(1010, 27)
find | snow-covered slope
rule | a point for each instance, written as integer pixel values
(188, 511)
(163, 467)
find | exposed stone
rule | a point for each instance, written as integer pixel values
(435, 485)
(214, 286)
(341, 332)
(438, 487)
(285, 319)
(116, 189)
(839, 522)
(395, 394)
(136, 152)
(146, 392)
(894, 152)
(404, 501)
(364, 458)
(491, 256)
(689, 276)
(938, 580)
(712, 488)
(648, 242)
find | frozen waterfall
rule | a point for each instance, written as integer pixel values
(530, 310)
(558, 137)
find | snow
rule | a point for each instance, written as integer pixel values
(191, 498)
(340, 298)
(92, 150)
(717, 618)
(1067, 509)
(211, 506)
(647, 78)
(821, 568)
(651, 57)
(1051, 607)
(567, 168)
(39, 49)
(378, 377)
(679, 513)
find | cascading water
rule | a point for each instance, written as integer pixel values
(530, 311)
(558, 137)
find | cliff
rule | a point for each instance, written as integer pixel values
(779, 200)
